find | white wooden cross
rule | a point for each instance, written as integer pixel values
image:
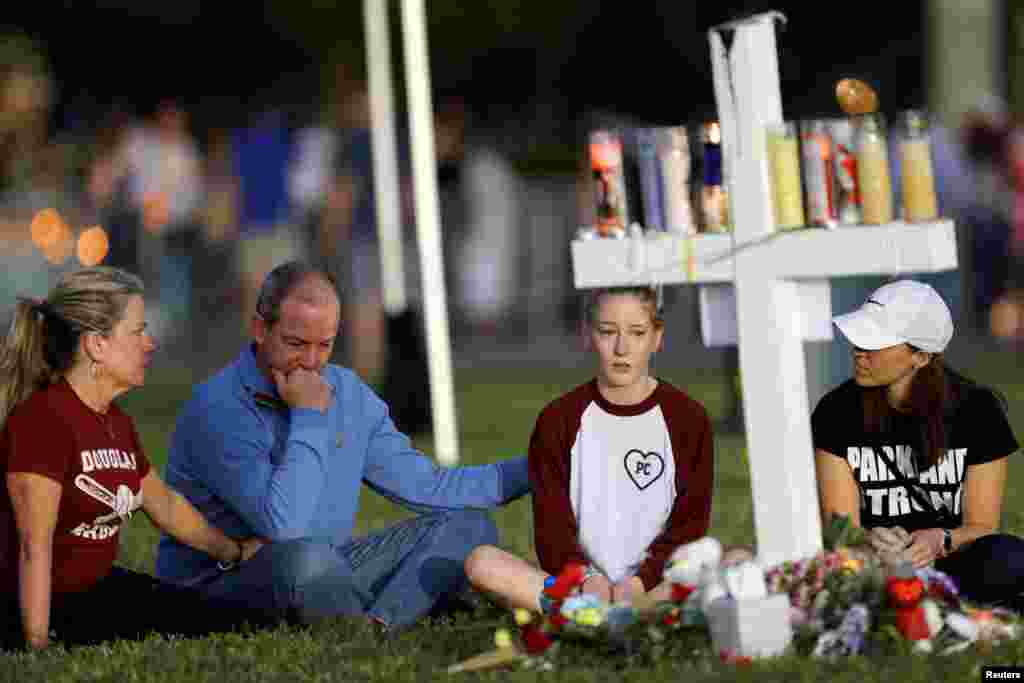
(781, 286)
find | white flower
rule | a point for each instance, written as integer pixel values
(932, 616)
(963, 626)
(687, 564)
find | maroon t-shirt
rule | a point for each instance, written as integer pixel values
(54, 434)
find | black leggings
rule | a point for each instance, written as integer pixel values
(128, 605)
(989, 571)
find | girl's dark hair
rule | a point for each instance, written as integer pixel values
(936, 392)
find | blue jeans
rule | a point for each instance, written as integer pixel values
(395, 576)
(989, 570)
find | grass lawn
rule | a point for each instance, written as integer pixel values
(497, 409)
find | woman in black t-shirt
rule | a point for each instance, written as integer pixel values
(915, 452)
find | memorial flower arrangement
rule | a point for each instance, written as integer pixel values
(846, 601)
(843, 601)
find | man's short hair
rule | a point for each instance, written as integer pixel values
(280, 282)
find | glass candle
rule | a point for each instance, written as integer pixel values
(714, 198)
(818, 169)
(784, 168)
(609, 182)
(873, 169)
(674, 161)
(918, 180)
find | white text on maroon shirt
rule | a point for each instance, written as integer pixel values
(107, 459)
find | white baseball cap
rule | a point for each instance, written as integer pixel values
(901, 312)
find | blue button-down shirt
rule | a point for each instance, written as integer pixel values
(255, 467)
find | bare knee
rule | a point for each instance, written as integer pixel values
(483, 562)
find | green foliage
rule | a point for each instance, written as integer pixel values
(497, 409)
(840, 531)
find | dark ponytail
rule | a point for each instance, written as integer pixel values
(936, 392)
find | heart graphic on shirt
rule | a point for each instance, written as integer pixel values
(643, 468)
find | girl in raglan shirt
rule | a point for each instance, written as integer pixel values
(74, 470)
(621, 467)
(916, 453)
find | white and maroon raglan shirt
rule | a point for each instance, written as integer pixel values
(976, 433)
(620, 487)
(99, 463)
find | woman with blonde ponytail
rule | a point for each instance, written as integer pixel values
(74, 470)
(22, 366)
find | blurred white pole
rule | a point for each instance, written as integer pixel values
(385, 155)
(428, 232)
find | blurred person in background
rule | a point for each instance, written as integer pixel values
(346, 236)
(279, 442)
(26, 100)
(164, 172)
(33, 169)
(1007, 313)
(989, 215)
(216, 282)
(107, 193)
(75, 471)
(268, 233)
(481, 203)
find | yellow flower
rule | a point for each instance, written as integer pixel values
(853, 564)
(522, 616)
(588, 616)
(502, 638)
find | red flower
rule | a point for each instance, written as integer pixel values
(730, 657)
(911, 622)
(672, 618)
(904, 592)
(535, 640)
(557, 621)
(571, 577)
(938, 591)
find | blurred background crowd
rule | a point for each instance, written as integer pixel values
(204, 213)
(202, 194)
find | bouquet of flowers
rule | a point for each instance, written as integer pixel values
(843, 601)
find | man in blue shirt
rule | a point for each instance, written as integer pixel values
(276, 445)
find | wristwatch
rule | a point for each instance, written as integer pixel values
(947, 541)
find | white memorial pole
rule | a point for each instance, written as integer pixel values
(775, 403)
(417, 75)
(385, 155)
